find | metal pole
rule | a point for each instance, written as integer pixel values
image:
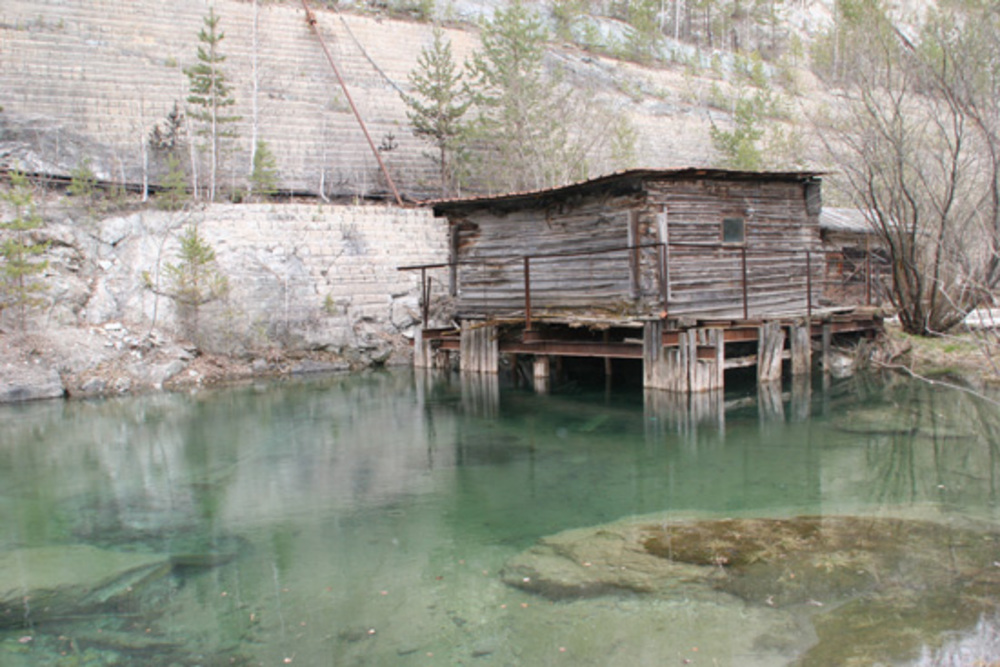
(424, 293)
(311, 20)
(527, 294)
(809, 286)
(746, 308)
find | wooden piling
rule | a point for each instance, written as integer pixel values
(801, 344)
(480, 349)
(695, 364)
(770, 348)
(423, 353)
(542, 372)
(706, 358)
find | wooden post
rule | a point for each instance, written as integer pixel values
(801, 336)
(423, 353)
(770, 345)
(480, 349)
(664, 367)
(542, 372)
(706, 374)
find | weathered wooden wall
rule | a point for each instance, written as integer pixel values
(781, 223)
(491, 246)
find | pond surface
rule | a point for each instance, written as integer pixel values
(368, 519)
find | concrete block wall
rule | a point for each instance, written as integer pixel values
(111, 69)
(301, 276)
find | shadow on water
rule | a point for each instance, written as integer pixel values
(365, 520)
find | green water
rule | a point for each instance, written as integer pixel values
(365, 520)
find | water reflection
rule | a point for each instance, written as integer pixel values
(365, 518)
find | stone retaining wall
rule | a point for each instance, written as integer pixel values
(302, 276)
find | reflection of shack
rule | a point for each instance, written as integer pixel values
(855, 257)
(688, 272)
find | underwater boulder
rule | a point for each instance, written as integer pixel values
(50, 582)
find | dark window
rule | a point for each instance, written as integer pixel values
(733, 230)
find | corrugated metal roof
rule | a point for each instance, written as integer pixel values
(621, 176)
(848, 220)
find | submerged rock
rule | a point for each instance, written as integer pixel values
(879, 590)
(50, 582)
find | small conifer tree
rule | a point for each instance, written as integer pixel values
(195, 279)
(21, 256)
(440, 102)
(174, 195)
(210, 97)
(264, 177)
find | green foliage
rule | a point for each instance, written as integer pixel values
(195, 279)
(740, 146)
(210, 96)
(174, 195)
(264, 177)
(518, 126)
(21, 255)
(83, 184)
(644, 37)
(439, 105)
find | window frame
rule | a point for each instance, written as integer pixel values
(728, 220)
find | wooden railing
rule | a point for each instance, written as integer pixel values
(814, 260)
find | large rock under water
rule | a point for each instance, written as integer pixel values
(878, 589)
(52, 582)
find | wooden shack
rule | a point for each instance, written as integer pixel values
(695, 258)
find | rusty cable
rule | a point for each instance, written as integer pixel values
(311, 20)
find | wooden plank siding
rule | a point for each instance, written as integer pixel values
(578, 241)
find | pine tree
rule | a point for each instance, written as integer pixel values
(210, 96)
(264, 178)
(195, 279)
(20, 255)
(174, 195)
(440, 103)
(523, 117)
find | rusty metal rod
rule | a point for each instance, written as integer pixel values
(746, 308)
(311, 20)
(809, 286)
(527, 294)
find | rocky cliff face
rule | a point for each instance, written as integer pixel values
(311, 287)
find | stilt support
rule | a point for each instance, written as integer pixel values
(696, 364)
(801, 349)
(542, 373)
(770, 346)
(423, 353)
(480, 349)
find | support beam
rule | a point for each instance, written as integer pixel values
(695, 364)
(423, 352)
(542, 368)
(663, 367)
(770, 346)
(801, 349)
(707, 359)
(480, 349)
